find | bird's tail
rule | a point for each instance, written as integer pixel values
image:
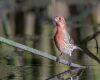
(78, 48)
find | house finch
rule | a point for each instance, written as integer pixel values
(62, 39)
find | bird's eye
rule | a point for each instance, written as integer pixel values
(59, 18)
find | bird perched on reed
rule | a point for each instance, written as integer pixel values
(62, 39)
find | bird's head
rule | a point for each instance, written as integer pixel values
(60, 21)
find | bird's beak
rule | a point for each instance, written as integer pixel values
(55, 22)
(56, 19)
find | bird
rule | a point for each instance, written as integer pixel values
(62, 39)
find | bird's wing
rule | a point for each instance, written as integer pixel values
(71, 40)
(68, 39)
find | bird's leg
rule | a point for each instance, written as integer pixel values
(69, 61)
(58, 58)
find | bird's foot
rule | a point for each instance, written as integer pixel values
(58, 59)
(69, 63)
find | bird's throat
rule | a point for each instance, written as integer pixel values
(60, 29)
(59, 37)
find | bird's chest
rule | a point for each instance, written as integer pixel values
(62, 45)
(59, 39)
